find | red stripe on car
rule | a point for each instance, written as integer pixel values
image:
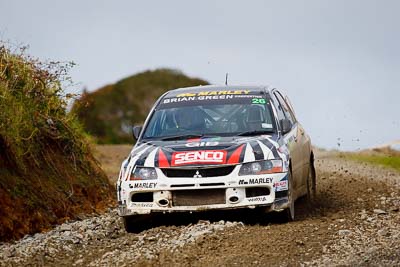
(162, 160)
(235, 155)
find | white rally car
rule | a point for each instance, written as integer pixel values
(217, 147)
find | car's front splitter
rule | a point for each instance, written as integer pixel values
(276, 205)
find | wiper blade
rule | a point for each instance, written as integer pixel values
(180, 137)
(256, 132)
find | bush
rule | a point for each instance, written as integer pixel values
(33, 109)
(47, 171)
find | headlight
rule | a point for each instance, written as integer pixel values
(261, 167)
(144, 173)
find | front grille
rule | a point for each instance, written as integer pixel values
(198, 197)
(204, 172)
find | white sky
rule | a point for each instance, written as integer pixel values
(338, 61)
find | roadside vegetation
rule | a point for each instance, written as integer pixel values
(384, 157)
(47, 171)
(109, 112)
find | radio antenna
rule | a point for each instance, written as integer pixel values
(226, 79)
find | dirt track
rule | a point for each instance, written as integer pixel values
(355, 221)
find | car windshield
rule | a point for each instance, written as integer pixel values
(194, 115)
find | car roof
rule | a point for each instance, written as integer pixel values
(208, 88)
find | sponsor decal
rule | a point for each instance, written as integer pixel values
(215, 93)
(257, 199)
(199, 157)
(256, 181)
(216, 96)
(258, 101)
(201, 144)
(266, 125)
(143, 205)
(192, 98)
(144, 185)
(281, 186)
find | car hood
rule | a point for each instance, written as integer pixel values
(205, 151)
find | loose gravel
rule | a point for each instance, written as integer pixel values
(102, 241)
(354, 222)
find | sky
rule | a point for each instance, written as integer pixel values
(338, 61)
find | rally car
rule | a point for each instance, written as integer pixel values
(217, 147)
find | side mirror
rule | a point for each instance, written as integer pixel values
(286, 126)
(136, 131)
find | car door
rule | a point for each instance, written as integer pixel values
(290, 140)
(304, 141)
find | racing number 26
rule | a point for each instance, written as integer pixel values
(258, 101)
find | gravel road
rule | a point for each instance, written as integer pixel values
(355, 221)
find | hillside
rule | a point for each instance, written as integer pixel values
(47, 171)
(109, 112)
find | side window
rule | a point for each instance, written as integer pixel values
(279, 109)
(285, 108)
(287, 100)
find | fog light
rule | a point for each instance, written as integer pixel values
(233, 199)
(163, 202)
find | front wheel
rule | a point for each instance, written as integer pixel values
(129, 224)
(135, 223)
(288, 215)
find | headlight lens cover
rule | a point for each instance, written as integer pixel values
(261, 167)
(144, 173)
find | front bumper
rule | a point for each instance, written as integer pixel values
(200, 194)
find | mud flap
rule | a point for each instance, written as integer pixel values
(280, 204)
(122, 211)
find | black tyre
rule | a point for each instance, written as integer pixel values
(130, 224)
(288, 215)
(311, 182)
(136, 223)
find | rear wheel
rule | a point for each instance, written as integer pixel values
(311, 182)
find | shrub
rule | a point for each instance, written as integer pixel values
(47, 172)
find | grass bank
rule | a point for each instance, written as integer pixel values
(47, 171)
(385, 157)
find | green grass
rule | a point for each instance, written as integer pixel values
(389, 161)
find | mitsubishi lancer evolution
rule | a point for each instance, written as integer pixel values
(217, 147)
